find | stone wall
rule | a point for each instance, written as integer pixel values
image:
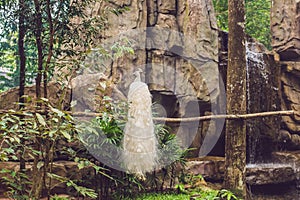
(285, 28)
(56, 95)
(178, 54)
(290, 90)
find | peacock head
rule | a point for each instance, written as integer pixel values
(137, 74)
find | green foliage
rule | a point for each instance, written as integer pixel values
(9, 60)
(221, 10)
(103, 135)
(155, 196)
(227, 195)
(209, 194)
(180, 187)
(55, 197)
(186, 195)
(63, 35)
(257, 18)
(35, 136)
(16, 183)
(205, 195)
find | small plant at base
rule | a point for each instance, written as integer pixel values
(16, 183)
(180, 188)
(228, 195)
(59, 198)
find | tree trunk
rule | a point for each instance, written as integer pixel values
(39, 44)
(22, 32)
(235, 148)
(38, 175)
(50, 50)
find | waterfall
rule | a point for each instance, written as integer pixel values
(257, 77)
(297, 172)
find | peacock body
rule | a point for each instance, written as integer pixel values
(139, 143)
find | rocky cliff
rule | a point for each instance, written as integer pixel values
(285, 27)
(175, 43)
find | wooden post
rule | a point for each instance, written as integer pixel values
(235, 142)
(22, 64)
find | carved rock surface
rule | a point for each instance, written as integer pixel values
(183, 38)
(9, 98)
(176, 46)
(291, 95)
(291, 157)
(285, 28)
(211, 168)
(272, 181)
(262, 174)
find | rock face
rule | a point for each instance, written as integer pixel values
(272, 181)
(291, 94)
(176, 46)
(56, 95)
(262, 174)
(290, 157)
(211, 168)
(285, 28)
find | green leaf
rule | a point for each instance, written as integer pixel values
(66, 134)
(44, 99)
(81, 165)
(41, 119)
(73, 103)
(58, 112)
(52, 132)
(55, 120)
(17, 139)
(40, 164)
(14, 157)
(57, 177)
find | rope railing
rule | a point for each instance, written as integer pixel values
(228, 116)
(186, 119)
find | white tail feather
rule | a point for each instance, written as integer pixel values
(139, 142)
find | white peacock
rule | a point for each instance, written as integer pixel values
(139, 144)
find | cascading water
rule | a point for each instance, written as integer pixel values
(256, 74)
(297, 172)
(262, 96)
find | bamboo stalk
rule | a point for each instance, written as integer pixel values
(205, 118)
(228, 117)
(188, 119)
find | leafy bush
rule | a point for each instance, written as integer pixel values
(102, 136)
(40, 136)
(33, 136)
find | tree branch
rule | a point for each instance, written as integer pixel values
(188, 119)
